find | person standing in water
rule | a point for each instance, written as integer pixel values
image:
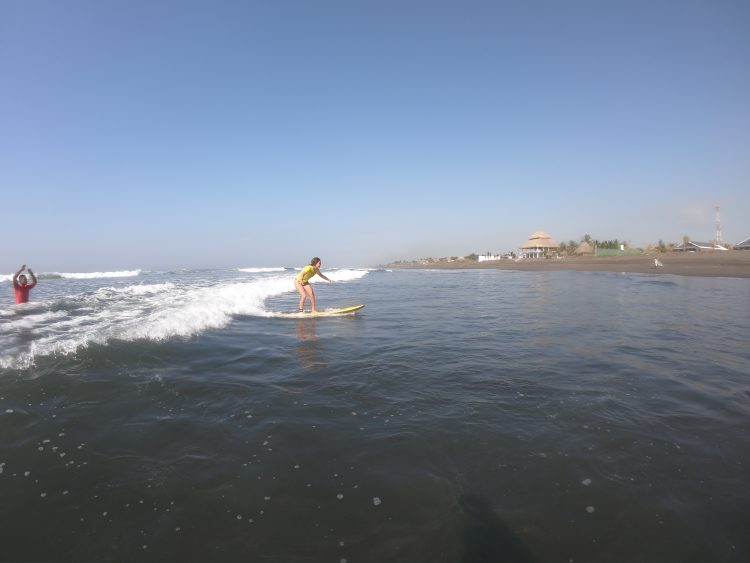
(302, 283)
(21, 285)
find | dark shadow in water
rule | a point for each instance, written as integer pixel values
(488, 539)
(309, 350)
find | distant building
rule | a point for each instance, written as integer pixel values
(488, 257)
(694, 246)
(584, 248)
(743, 245)
(539, 245)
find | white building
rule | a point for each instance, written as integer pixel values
(489, 257)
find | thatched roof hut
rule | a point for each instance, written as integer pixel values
(584, 248)
(538, 245)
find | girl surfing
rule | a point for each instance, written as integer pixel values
(302, 283)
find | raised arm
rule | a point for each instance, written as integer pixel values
(33, 277)
(18, 273)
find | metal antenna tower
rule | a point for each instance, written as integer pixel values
(718, 225)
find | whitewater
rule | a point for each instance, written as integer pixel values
(70, 311)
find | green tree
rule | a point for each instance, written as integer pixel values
(472, 256)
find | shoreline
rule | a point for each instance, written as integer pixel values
(724, 264)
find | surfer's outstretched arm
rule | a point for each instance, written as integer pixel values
(325, 278)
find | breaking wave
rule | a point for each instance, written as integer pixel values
(178, 308)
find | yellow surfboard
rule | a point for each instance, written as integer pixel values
(342, 311)
(325, 312)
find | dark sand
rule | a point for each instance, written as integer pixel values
(725, 264)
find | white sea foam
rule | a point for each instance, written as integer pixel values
(260, 270)
(143, 289)
(94, 275)
(4, 277)
(183, 314)
(154, 312)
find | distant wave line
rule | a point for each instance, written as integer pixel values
(91, 275)
(260, 270)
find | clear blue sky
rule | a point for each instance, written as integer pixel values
(160, 134)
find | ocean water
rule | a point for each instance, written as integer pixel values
(461, 416)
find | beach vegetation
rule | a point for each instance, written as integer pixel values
(613, 244)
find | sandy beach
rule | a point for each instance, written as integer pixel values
(729, 264)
